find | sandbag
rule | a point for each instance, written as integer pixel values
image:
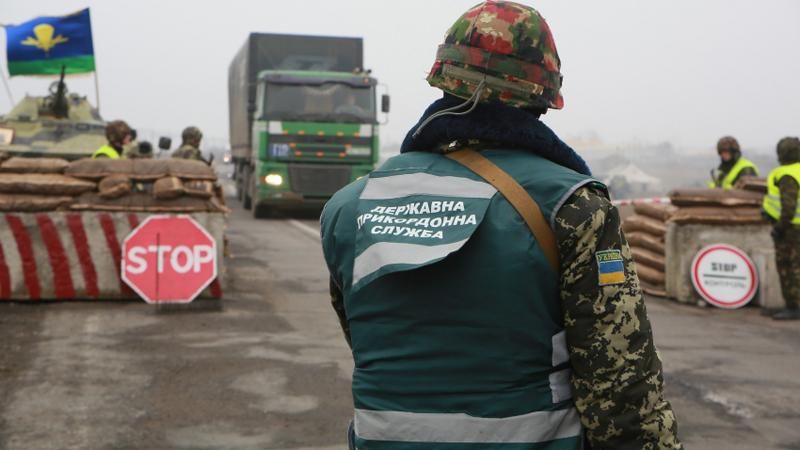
(646, 241)
(651, 259)
(143, 202)
(198, 188)
(658, 211)
(653, 290)
(34, 165)
(97, 169)
(167, 188)
(32, 203)
(652, 276)
(646, 225)
(141, 169)
(719, 216)
(755, 184)
(43, 184)
(191, 169)
(715, 197)
(115, 186)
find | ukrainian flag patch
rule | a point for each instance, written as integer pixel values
(611, 267)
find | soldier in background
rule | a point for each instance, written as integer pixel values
(190, 145)
(732, 165)
(118, 135)
(464, 335)
(782, 205)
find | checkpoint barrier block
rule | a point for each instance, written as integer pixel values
(76, 255)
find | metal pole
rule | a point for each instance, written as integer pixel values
(8, 89)
(97, 90)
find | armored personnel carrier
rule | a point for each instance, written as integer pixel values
(61, 125)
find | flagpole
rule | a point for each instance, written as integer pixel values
(96, 90)
(8, 89)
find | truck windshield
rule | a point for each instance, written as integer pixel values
(327, 102)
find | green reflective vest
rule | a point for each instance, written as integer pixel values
(107, 151)
(772, 201)
(733, 174)
(454, 311)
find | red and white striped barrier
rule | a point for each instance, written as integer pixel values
(631, 201)
(68, 255)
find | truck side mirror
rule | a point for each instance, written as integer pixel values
(385, 103)
(164, 143)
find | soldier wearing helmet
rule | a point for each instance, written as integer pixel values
(482, 278)
(732, 165)
(190, 145)
(118, 135)
(782, 206)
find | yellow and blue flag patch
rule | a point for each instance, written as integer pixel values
(611, 267)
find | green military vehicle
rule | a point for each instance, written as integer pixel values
(303, 119)
(60, 125)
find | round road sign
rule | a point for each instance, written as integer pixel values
(724, 276)
(169, 259)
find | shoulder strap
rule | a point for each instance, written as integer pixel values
(519, 198)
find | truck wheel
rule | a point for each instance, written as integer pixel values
(261, 212)
(247, 199)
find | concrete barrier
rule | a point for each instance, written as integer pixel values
(684, 241)
(69, 256)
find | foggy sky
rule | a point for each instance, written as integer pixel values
(680, 70)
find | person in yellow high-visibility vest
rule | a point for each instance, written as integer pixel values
(118, 134)
(732, 165)
(782, 206)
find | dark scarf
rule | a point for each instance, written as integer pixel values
(495, 123)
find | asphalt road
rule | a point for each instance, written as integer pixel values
(267, 368)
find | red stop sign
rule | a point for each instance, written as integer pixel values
(169, 259)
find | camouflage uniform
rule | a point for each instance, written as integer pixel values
(787, 236)
(504, 52)
(187, 151)
(189, 148)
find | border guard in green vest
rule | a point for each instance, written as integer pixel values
(732, 165)
(468, 330)
(118, 134)
(782, 205)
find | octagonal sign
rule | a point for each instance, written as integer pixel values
(169, 259)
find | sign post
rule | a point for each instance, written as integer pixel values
(169, 259)
(724, 276)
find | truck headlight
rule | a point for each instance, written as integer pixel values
(273, 179)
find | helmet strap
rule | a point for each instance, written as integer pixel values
(476, 97)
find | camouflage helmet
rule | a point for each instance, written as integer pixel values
(508, 47)
(789, 150)
(728, 143)
(191, 134)
(116, 131)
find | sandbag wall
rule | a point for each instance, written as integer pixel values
(62, 224)
(646, 233)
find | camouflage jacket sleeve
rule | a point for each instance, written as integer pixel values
(788, 187)
(617, 379)
(337, 301)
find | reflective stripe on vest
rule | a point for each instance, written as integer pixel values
(436, 428)
(107, 151)
(733, 174)
(772, 201)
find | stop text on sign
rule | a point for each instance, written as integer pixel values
(181, 259)
(169, 259)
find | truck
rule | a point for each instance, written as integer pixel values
(303, 119)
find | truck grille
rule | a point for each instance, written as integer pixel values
(317, 179)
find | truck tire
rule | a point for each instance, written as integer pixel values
(261, 212)
(247, 199)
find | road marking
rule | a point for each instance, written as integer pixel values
(304, 228)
